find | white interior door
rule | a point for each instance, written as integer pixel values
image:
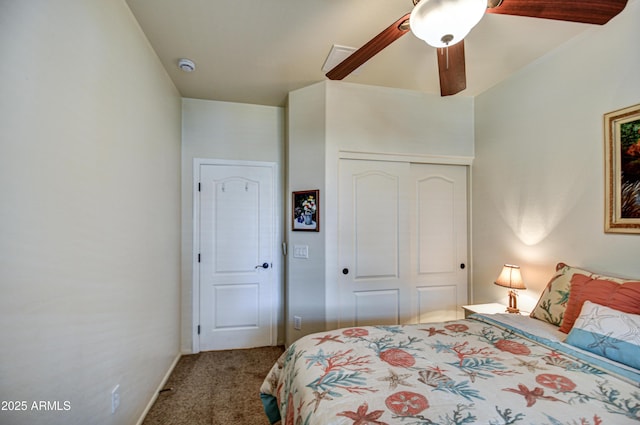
(402, 239)
(438, 223)
(373, 243)
(236, 256)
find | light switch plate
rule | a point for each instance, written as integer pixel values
(300, 251)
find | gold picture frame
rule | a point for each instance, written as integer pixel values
(622, 170)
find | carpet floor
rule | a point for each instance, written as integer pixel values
(215, 388)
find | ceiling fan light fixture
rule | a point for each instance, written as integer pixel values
(441, 23)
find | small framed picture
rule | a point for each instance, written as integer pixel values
(622, 170)
(306, 211)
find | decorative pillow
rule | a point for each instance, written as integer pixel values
(607, 332)
(553, 301)
(620, 296)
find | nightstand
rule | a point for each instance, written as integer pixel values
(491, 308)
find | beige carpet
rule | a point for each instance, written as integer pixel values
(215, 388)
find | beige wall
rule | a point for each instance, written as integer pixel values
(306, 146)
(539, 171)
(89, 212)
(229, 131)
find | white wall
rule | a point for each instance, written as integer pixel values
(89, 212)
(383, 120)
(331, 118)
(538, 184)
(230, 131)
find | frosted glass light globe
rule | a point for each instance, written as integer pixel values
(442, 23)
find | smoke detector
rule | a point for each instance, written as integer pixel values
(186, 65)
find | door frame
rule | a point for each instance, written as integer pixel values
(195, 249)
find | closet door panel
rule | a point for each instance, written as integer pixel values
(437, 303)
(376, 204)
(372, 242)
(438, 223)
(435, 216)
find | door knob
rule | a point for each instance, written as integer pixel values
(262, 266)
(462, 266)
(345, 271)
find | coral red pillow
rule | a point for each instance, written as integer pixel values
(619, 296)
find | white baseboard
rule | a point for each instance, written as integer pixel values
(160, 387)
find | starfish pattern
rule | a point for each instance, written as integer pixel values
(318, 397)
(593, 319)
(531, 366)
(328, 338)
(602, 342)
(633, 334)
(531, 395)
(433, 331)
(395, 380)
(320, 359)
(361, 417)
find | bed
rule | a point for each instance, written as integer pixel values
(574, 361)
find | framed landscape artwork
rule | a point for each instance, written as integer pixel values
(622, 170)
(306, 211)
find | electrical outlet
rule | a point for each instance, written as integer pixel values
(297, 323)
(115, 398)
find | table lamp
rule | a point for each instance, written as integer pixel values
(511, 278)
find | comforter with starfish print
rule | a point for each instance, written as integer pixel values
(471, 371)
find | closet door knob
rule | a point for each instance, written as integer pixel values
(345, 271)
(462, 266)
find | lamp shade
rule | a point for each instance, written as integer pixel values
(443, 23)
(510, 277)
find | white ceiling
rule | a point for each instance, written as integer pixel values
(256, 51)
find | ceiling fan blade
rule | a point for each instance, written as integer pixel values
(451, 68)
(585, 11)
(369, 50)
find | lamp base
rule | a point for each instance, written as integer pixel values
(513, 303)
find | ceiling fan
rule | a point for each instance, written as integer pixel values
(444, 24)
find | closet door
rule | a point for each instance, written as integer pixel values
(438, 223)
(373, 243)
(401, 243)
